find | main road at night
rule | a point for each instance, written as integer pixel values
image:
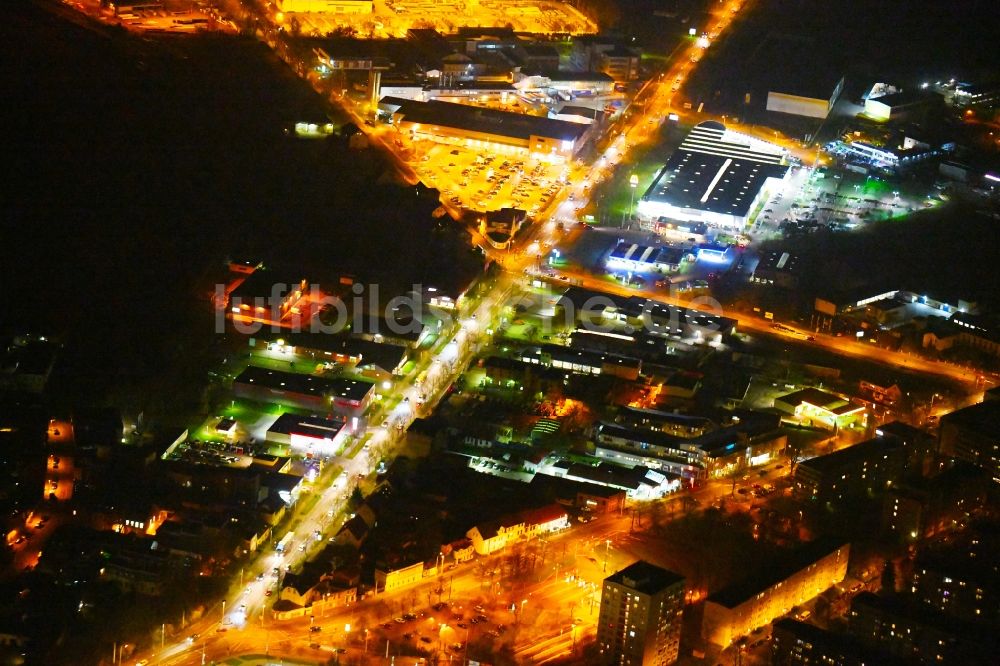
(242, 625)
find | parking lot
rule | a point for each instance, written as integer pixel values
(836, 199)
(468, 179)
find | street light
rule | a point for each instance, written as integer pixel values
(633, 182)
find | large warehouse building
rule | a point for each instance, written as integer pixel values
(488, 129)
(326, 6)
(715, 176)
(814, 99)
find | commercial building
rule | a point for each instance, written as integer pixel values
(821, 408)
(740, 608)
(552, 83)
(777, 268)
(653, 317)
(379, 358)
(640, 618)
(620, 63)
(345, 397)
(347, 7)
(475, 127)
(638, 482)
(582, 362)
(500, 226)
(901, 105)
(689, 446)
(715, 176)
(645, 259)
(814, 99)
(308, 435)
(972, 434)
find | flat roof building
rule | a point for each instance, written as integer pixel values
(820, 408)
(644, 258)
(860, 470)
(777, 268)
(340, 7)
(308, 435)
(716, 175)
(471, 126)
(640, 618)
(583, 362)
(698, 449)
(346, 397)
(901, 105)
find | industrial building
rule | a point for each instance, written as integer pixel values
(814, 100)
(901, 105)
(308, 435)
(343, 7)
(737, 610)
(345, 397)
(716, 176)
(640, 618)
(475, 127)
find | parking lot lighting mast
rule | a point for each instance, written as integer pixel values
(633, 182)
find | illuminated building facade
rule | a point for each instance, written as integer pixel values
(813, 100)
(387, 580)
(821, 408)
(692, 447)
(755, 602)
(262, 297)
(640, 619)
(308, 435)
(491, 536)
